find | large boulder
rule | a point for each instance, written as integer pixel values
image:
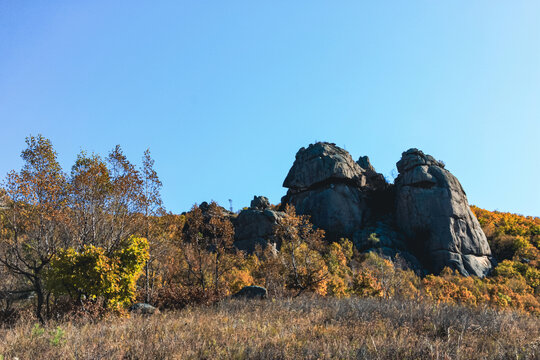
(144, 309)
(255, 226)
(433, 213)
(320, 163)
(327, 184)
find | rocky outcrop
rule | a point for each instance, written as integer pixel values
(255, 226)
(260, 203)
(144, 309)
(433, 213)
(423, 218)
(322, 163)
(327, 184)
(373, 178)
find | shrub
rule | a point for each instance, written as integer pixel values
(92, 274)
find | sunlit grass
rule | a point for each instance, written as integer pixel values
(305, 327)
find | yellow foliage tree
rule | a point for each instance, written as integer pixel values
(92, 274)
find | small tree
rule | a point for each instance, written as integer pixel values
(90, 187)
(207, 248)
(124, 201)
(338, 257)
(151, 204)
(221, 237)
(301, 252)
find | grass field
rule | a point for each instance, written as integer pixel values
(304, 327)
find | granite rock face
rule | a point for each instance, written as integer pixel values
(327, 184)
(433, 213)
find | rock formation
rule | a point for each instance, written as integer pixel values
(433, 212)
(327, 184)
(144, 309)
(424, 218)
(255, 226)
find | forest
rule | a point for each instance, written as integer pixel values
(85, 245)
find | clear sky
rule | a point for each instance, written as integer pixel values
(224, 93)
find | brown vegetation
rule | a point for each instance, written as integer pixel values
(304, 327)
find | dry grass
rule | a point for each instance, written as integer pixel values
(311, 328)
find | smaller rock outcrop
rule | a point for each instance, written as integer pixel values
(255, 226)
(144, 309)
(260, 203)
(251, 292)
(374, 179)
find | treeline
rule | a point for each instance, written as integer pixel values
(97, 239)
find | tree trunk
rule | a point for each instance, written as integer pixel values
(147, 282)
(40, 300)
(48, 303)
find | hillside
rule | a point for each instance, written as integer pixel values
(420, 272)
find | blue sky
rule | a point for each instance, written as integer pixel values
(225, 92)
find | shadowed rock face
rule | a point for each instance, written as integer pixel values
(327, 184)
(433, 213)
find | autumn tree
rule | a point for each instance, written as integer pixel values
(337, 257)
(151, 206)
(106, 200)
(221, 237)
(93, 274)
(301, 252)
(125, 199)
(35, 213)
(207, 247)
(90, 187)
